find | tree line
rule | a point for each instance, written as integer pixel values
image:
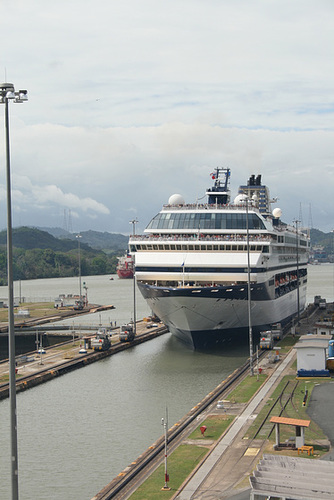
(39, 263)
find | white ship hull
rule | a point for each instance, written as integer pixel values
(202, 322)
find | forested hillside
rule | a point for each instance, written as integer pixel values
(38, 254)
(95, 239)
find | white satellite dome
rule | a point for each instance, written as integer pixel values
(176, 199)
(240, 199)
(277, 212)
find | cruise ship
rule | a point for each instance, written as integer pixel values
(195, 264)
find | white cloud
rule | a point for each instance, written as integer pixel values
(130, 102)
(29, 197)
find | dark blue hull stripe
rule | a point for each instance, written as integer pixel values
(174, 269)
(236, 292)
(220, 270)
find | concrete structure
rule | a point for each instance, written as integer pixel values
(312, 352)
(292, 478)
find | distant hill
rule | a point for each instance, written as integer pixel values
(37, 255)
(95, 239)
(57, 232)
(29, 238)
(320, 238)
(104, 241)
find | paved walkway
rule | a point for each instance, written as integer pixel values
(206, 482)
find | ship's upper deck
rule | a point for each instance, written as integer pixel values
(219, 218)
(206, 217)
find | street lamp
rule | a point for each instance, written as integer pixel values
(7, 93)
(297, 256)
(78, 236)
(134, 222)
(249, 297)
(164, 423)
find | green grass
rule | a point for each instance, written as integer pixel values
(68, 346)
(294, 409)
(286, 343)
(182, 461)
(246, 389)
(179, 465)
(4, 379)
(215, 426)
(36, 309)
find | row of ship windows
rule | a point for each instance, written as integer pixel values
(292, 241)
(287, 250)
(211, 248)
(205, 220)
(202, 248)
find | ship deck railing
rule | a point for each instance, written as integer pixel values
(184, 237)
(197, 285)
(207, 206)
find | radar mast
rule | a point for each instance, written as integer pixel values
(219, 194)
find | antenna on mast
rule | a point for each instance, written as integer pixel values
(310, 221)
(70, 228)
(301, 215)
(65, 227)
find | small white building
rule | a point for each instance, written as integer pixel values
(324, 328)
(69, 300)
(312, 353)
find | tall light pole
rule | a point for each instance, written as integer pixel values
(78, 236)
(134, 222)
(332, 231)
(7, 93)
(297, 256)
(164, 423)
(249, 297)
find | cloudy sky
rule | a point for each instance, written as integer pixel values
(131, 101)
